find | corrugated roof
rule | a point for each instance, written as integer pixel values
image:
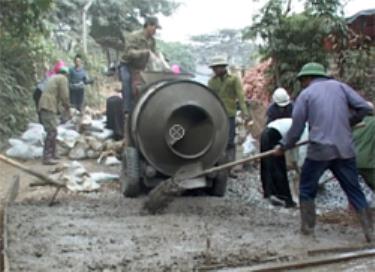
(365, 12)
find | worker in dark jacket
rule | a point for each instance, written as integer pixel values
(77, 81)
(281, 106)
(55, 94)
(115, 116)
(273, 169)
(326, 105)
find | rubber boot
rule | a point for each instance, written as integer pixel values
(126, 130)
(365, 218)
(308, 217)
(231, 156)
(231, 153)
(48, 149)
(54, 143)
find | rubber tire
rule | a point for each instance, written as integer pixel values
(129, 178)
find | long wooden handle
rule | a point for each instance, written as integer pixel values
(242, 161)
(32, 172)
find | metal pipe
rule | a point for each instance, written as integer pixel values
(84, 26)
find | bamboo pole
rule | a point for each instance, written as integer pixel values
(309, 262)
(46, 179)
(10, 196)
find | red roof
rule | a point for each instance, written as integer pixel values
(363, 22)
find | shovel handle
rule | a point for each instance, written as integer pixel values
(242, 161)
(32, 172)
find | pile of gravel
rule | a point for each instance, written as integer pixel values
(247, 187)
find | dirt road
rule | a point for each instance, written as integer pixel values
(105, 232)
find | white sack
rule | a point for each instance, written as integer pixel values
(22, 150)
(34, 134)
(249, 146)
(67, 136)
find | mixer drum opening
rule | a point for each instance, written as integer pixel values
(189, 132)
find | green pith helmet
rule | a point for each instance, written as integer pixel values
(64, 70)
(312, 69)
(152, 20)
(219, 61)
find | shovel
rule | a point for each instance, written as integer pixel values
(163, 194)
(46, 180)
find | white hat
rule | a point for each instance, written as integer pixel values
(281, 97)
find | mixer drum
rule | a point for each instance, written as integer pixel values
(177, 123)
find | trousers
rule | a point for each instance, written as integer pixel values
(273, 170)
(344, 170)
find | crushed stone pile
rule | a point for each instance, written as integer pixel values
(248, 188)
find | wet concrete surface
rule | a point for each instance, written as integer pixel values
(105, 232)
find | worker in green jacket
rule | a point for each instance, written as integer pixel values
(55, 95)
(364, 142)
(138, 47)
(229, 89)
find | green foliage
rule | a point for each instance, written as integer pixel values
(178, 53)
(14, 103)
(293, 40)
(111, 19)
(299, 39)
(329, 8)
(22, 18)
(358, 70)
(21, 50)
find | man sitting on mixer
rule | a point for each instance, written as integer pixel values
(138, 47)
(229, 89)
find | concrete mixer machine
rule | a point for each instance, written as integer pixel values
(177, 125)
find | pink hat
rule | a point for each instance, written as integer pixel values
(59, 64)
(175, 69)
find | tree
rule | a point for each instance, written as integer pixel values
(22, 30)
(22, 18)
(111, 19)
(292, 40)
(178, 53)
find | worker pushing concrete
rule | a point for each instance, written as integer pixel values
(330, 108)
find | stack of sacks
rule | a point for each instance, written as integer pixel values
(82, 137)
(30, 146)
(77, 179)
